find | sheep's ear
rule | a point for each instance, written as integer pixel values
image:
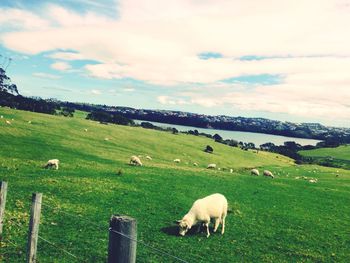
(177, 222)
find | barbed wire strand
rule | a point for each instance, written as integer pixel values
(59, 248)
(47, 241)
(157, 250)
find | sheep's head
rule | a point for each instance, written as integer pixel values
(183, 226)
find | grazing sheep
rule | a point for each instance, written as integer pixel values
(211, 166)
(148, 157)
(177, 160)
(211, 207)
(254, 172)
(1, 117)
(231, 171)
(8, 122)
(52, 163)
(268, 174)
(313, 180)
(106, 139)
(195, 164)
(29, 122)
(86, 130)
(134, 160)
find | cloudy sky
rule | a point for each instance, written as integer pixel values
(280, 59)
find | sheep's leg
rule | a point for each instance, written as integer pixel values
(207, 225)
(223, 225)
(216, 225)
(199, 228)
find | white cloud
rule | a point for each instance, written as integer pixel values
(166, 100)
(128, 89)
(66, 56)
(45, 75)
(159, 41)
(95, 92)
(61, 66)
(21, 20)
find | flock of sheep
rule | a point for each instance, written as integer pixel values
(213, 207)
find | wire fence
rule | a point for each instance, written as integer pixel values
(153, 249)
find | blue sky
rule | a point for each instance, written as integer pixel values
(212, 57)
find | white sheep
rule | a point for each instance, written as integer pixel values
(1, 117)
(211, 207)
(134, 160)
(313, 180)
(52, 163)
(254, 172)
(8, 122)
(29, 122)
(231, 170)
(177, 160)
(268, 173)
(195, 164)
(148, 157)
(211, 166)
(86, 130)
(106, 139)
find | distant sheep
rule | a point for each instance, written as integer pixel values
(106, 139)
(86, 130)
(134, 160)
(254, 172)
(313, 180)
(148, 157)
(195, 164)
(8, 122)
(1, 117)
(231, 171)
(29, 122)
(268, 174)
(211, 166)
(177, 160)
(211, 207)
(52, 164)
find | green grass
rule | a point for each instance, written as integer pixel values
(337, 157)
(279, 220)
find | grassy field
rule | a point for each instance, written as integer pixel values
(337, 157)
(273, 220)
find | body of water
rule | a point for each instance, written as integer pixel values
(256, 138)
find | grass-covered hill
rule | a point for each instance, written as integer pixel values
(337, 157)
(273, 220)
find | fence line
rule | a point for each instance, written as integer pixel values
(45, 240)
(156, 250)
(152, 248)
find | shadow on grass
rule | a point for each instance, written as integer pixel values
(174, 230)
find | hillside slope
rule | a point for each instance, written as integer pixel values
(337, 157)
(283, 219)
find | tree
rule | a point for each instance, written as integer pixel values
(217, 137)
(67, 111)
(209, 149)
(5, 83)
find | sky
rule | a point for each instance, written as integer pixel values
(278, 59)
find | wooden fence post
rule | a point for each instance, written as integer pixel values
(122, 249)
(3, 193)
(34, 227)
